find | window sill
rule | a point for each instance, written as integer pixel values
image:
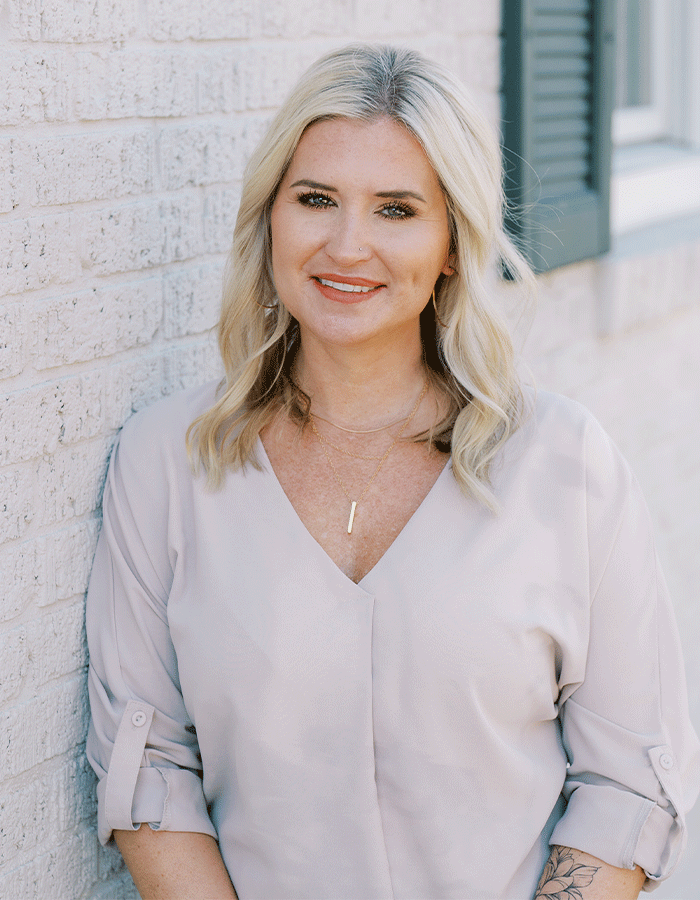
(652, 184)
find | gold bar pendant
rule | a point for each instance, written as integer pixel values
(352, 516)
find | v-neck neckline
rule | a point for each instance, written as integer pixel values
(269, 469)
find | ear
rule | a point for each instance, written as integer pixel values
(449, 269)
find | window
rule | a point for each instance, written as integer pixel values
(656, 122)
(577, 171)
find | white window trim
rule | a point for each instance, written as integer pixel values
(634, 124)
(660, 181)
(644, 196)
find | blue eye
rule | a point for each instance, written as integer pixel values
(315, 200)
(398, 210)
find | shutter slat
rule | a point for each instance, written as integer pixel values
(565, 169)
(561, 190)
(556, 108)
(545, 130)
(558, 44)
(570, 64)
(546, 7)
(550, 86)
(561, 149)
(562, 24)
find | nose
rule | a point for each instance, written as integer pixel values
(349, 241)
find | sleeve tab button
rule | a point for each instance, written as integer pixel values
(666, 761)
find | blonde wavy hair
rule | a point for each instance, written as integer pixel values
(467, 348)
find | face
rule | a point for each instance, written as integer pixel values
(360, 234)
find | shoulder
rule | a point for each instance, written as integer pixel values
(163, 425)
(565, 439)
(150, 454)
(555, 414)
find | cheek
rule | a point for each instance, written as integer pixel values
(292, 240)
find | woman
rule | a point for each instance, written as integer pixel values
(400, 633)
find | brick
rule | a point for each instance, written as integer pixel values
(80, 167)
(79, 21)
(16, 502)
(22, 567)
(202, 154)
(480, 63)
(37, 252)
(220, 211)
(34, 420)
(95, 323)
(41, 84)
(121, 886)
(269, 72)
(110, 863)
(13, 663)
(82, 413)
(71, 480)
(59, 874)
(192, 299)
(30, 423)
(471, 18)
(142, 83)
(29, 816)
(319, 17)
(132, 385)
(25, 20)
(219, 81)
(12, 340)
(382, 18)
(178, 20)
(42, 728)
(141, 235)
(190, 365)
(10, 182)
(68, 554)
(77, 800)
(60, 637)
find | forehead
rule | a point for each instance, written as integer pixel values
(377, 150)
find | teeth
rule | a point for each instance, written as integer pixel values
(348, 288)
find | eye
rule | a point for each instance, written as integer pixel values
(315, 200)
(397, 209)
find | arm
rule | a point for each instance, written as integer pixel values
(175, 865)
(574, 875)
(626, 731)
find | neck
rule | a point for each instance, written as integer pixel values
(359, 391)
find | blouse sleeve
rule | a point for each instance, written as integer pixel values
(634, 758)
(141, 742)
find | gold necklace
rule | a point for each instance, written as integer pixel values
(357, 430)
(325, 441)
(354, 503)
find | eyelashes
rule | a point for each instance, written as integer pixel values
(392, 209)
(315, 199)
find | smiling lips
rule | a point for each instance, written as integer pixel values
(355, 286)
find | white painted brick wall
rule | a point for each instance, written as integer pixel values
(124, 129)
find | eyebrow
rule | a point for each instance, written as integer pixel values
(388, 195)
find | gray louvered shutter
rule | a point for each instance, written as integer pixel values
(558, 70)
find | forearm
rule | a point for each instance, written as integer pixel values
(175, 865)
(575, 875)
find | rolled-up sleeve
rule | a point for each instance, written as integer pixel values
(141, 742)
(634, 758)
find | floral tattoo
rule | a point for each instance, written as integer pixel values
(563, 877)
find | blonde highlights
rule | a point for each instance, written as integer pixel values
(467, 347)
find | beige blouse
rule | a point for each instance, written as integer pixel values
(494, 684)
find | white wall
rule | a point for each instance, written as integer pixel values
(124, 126)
